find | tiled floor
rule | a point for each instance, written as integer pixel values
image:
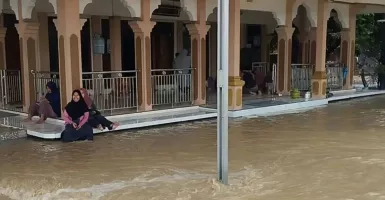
(9, 132)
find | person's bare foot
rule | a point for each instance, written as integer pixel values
(41, 121)
(115, 125)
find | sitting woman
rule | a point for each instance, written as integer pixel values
(48, 106)
(96, 119)
(75, 116)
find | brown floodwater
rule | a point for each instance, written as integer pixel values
(330, 153)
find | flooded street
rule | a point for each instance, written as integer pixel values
(331, 153)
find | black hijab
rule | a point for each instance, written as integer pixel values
(76, 109)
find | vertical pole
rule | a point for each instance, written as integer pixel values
(223, 85)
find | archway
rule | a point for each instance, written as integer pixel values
(170, 35)
(12, 45)
(115, 10)
(333, 38)
(300, 46)
(48, 46)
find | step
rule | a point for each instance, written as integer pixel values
(52, 128)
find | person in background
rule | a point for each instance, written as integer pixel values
(75, 116)
(96, 119)
(47, 106)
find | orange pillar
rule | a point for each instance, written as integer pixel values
(198, 61)
(142, 30)
(116, 44)
(70, 66)
(28, 33)
(319, 80)
(235, 82)
(198, 32)
(284, 58)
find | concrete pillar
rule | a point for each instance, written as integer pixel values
(198, 60)
(70, 62)
(285, 35)
(44, 64)
(213, 49)
(303, 43)
(29, 34)
(3, 60)
(142, 31)
(116, 44)
(235, 82)
(198, 32)
(319, 80)
(96, 29)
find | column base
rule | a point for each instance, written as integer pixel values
(319, 82)
(199, 102)
(144, 108)
(235, 92)
(347, 87)
(25, 109)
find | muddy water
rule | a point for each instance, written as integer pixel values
(331, 153)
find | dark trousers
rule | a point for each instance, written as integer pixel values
(96, 120)
(70, 134)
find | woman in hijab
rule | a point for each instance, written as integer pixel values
(96, 119)
(48, 106)
(75, 116)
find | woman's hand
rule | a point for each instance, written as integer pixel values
(75, 125)
(79, 127)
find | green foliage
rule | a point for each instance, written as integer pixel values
(368, 38)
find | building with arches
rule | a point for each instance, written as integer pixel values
(123, 50)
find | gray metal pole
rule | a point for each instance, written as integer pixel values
(223, 85)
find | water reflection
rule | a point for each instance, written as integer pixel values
(336, 152)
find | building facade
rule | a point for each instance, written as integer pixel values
(97, 44)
